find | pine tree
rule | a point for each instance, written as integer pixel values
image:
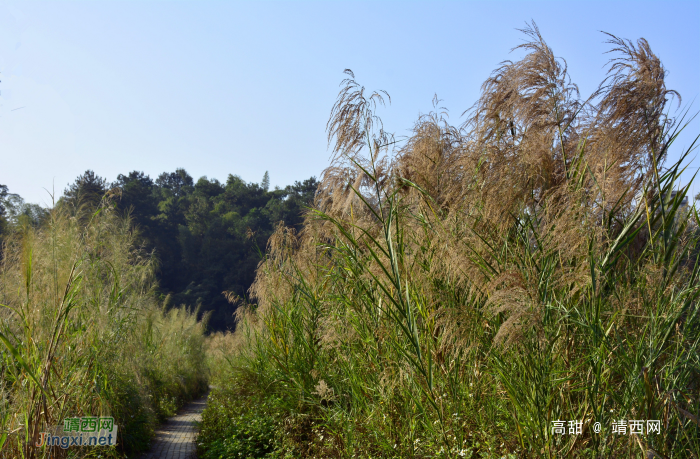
(266, 181)
(88, 189)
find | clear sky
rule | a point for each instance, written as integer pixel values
(244, 87)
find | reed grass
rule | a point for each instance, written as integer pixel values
(84, 335)
(454, 297)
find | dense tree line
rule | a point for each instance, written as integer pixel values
(208, 236)
(16, 214)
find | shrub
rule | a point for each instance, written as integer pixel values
(239, 423)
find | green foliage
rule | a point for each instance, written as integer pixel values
(15, 214)
(265, 181)
(252, 418)
(208, 235)
(238, 426)
(87, 191)
(134, 410)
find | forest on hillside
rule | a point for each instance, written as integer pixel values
(207, 236)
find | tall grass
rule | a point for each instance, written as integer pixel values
(456, 297)
(83, 335)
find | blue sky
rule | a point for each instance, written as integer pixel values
(245, 87)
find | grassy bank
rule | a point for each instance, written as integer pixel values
(84, 335)
(458, 296)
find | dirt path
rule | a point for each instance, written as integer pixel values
(175, 438)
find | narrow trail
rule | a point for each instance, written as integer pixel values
(175, 438)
